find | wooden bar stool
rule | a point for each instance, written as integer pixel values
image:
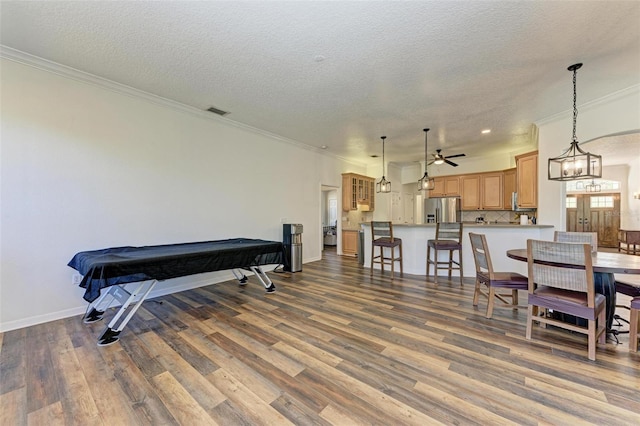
(449, 238)
(382, 237)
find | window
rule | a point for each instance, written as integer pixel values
(605, 185)
(571, 203)
(601, 202)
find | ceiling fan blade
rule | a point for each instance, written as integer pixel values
(430, 162)
(451, 163)
(454, 156)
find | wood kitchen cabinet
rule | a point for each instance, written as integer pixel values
(358, 190)
(445, 186)
(482, 191)
(349, 242)
(471, 193)
(509, 187)
(527, 179)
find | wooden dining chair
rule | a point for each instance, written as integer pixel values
(628, 242)
(559, 282)
(448, 238)
(496, 282)
(577, 237)
(382, 237)
(634, 335)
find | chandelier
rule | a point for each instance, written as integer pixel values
(426, 182)
(384, 185)
(574, 163)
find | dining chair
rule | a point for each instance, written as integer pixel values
(495, 281)
(558, 281)
(382, 237)
(633, 324)
(577, 237)
(448, 238)
(628, 241)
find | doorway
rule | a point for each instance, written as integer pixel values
(595, 213)
(329, 219)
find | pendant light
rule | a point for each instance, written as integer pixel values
(593, 187)
(574, 163)
(384, 185)
(426, 182)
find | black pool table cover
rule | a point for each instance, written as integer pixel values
(121, 265)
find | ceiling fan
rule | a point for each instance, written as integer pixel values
(439, 158)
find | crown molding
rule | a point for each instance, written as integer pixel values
(631, 90)
(94, 80)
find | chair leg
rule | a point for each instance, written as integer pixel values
(460, 265)
(435, 266)
(591, 333)
(373, 248)
(602, 327)
(633, 330)
(428, 261)
(382, 260)
(401, 261)
(492, 297)
(514, 297)
(450, 264)
(530, 314)
(393, 261)
(476, 292)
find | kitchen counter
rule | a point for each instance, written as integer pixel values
(500, 236)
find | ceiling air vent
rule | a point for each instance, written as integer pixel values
(217, 111)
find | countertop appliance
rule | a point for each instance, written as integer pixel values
(442, 209)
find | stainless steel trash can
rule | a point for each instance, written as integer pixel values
(292, 240)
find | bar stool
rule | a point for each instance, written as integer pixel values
(449, 238)
(633, 326)
(382, 237)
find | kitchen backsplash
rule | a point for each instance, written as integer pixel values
(352, 219)
(492, 216)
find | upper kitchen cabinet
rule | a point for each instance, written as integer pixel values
(482, 191)
(527, 179)
(358, 191)
(445, 186)
(509, 184)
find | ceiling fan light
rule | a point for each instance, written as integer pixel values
(439, 160)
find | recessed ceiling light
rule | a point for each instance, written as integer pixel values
(324, 147)
(485, 131)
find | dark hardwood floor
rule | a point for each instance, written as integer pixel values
(332, 346)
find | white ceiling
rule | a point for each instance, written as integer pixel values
(342, 74)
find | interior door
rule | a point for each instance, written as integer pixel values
(595, 213)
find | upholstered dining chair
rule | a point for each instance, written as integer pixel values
(448, 238)
(577, 237)
(382, 237)
(496, 282)
(629, 242)
(559, 281)
(633, 324)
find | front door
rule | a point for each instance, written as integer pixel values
(595, 213)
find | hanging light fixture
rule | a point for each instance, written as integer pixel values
(384, 185)
(426, 182)
(574, 163)
(593, 187)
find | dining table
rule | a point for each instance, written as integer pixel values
(605, 265)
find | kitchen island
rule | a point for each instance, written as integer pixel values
(500, 238)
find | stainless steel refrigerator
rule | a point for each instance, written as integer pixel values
(442, 209)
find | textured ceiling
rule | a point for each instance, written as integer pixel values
(342, 74)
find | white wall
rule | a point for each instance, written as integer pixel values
(85, 167)
(617, 113)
